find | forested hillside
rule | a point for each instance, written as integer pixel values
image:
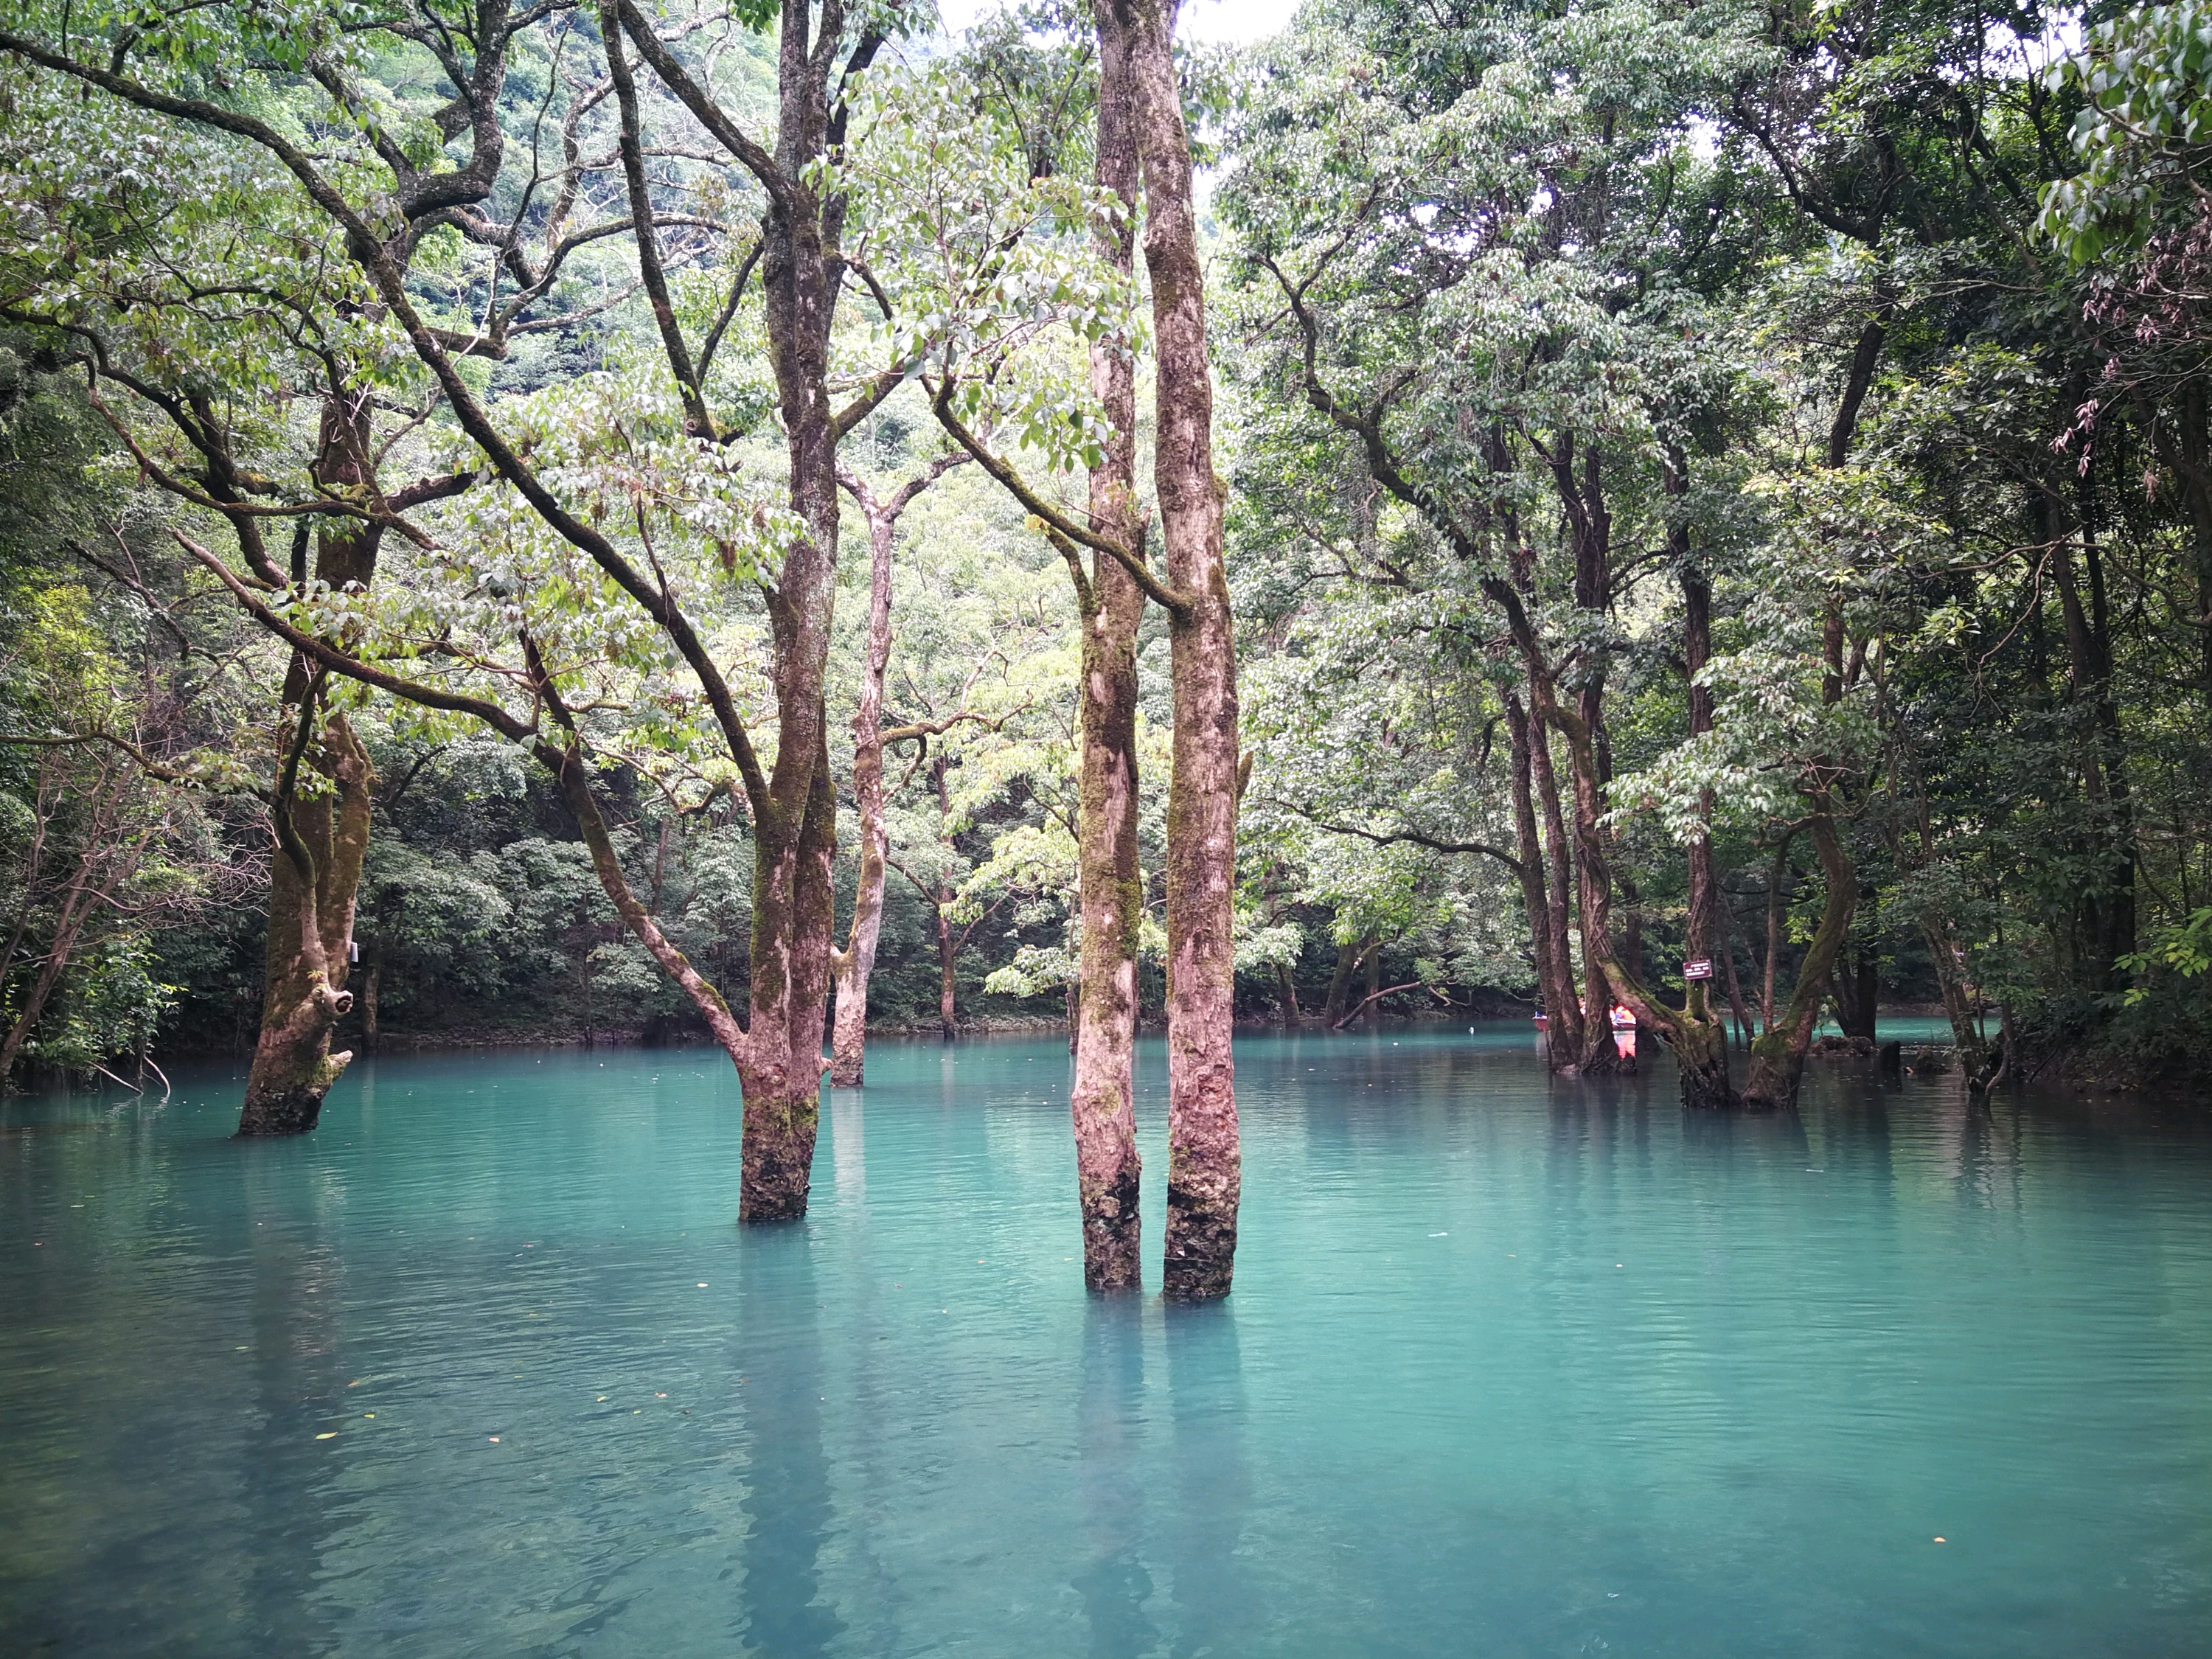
(492, 551)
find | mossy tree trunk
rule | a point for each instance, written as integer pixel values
(311, 914)
(1778, 1054)
(1203, 1163)
(1101, 1100)
(323, 836)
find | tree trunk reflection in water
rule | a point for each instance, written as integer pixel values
(1114, 1583)
(1219, 1605)
(788, 1479)
(298, 1391)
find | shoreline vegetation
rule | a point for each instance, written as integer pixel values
(628, 521)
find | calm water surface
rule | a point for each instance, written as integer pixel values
(1512, 1368)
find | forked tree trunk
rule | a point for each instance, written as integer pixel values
(1349, 956)
(1204, 1166)
(1857, 985)
(1778, 1054)
(852, 966)
(856, 962)
(1696, 1032)
(310, 929)
(1594, 898)
(1949, 957)
(1778, 1058)
(1111, 885)
(1699, 1036)
(1552, 985)
(293, 1066)
(1565, 1017)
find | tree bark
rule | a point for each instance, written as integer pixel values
(1349, 956)
(1778, 1058)
(311, 914)
(795, 839)
(1110, 897)
(1593, 888)
(857, 961)
(853, 967)
(948, 958)
(1778, 1054)
(1699, 1036)
(1555, 988)
(1203, 1163)
(293, 1066)
(1565, 1018)
(1857, 987)
(2105, 921)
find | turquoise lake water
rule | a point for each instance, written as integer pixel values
(1513, 1367)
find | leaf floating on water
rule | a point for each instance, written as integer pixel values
(492, 1438)
(332, 1435)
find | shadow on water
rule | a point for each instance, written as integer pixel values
(787, 1499)
(1214, 1592)
(1109, 1440)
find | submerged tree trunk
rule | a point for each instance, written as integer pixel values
(948, 959)
(1101, 1101)
(1856, 987)
(1566, 1020)
(781, 1065)
(1699, 1035)
(1555, 988)
(311, 910)
(1777, 1057)
(852, 966)
(1204, 1165)
(941, 896)
(1593, 888)
(1778, 1054)
(293, 1066)
(1349, 956)
(857, 961)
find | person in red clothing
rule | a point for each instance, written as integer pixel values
(1624, 1031)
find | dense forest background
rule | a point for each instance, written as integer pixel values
(1813, 397)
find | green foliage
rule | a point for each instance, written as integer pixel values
(2143, 132)
(1491, 286)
